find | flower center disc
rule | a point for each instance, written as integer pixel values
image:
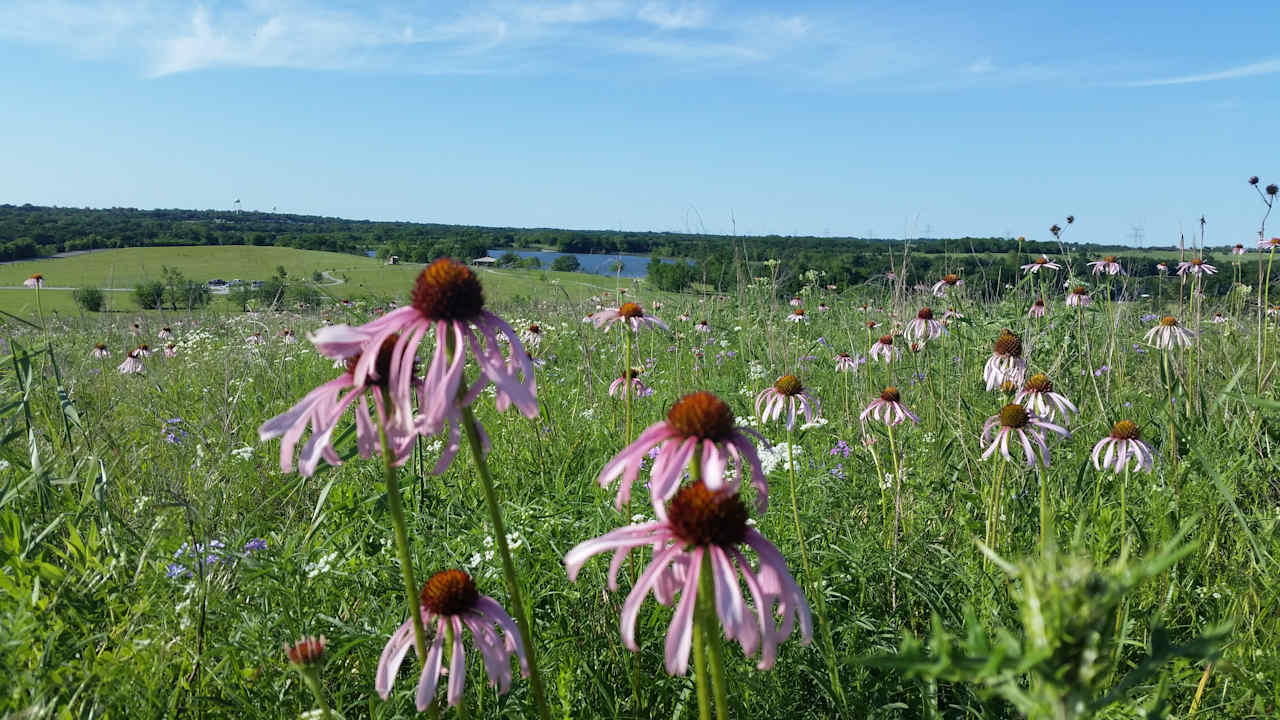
(702, 415)
(535, 329)
(1168, 321)
(1197, 261)
(799, 312)
(1125, 430)
(1039, 383)
(1013, 415)
(630, 310)
(951, 279)
(925, 314)
(1109, 259)
(449, 592)
(448, 290)
(890, 394)
(1009, 344)
(886, 339)
(1079, 290)
(701, 517)
(788, 385)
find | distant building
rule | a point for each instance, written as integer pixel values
(486, 260)
(393, 260)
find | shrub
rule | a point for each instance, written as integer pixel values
(88, 298)
(566, 263)
(149, 294)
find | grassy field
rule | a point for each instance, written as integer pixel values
(360, 277)
(154, 558)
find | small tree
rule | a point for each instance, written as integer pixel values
(150, 294)
(88, 298)
(566, 263)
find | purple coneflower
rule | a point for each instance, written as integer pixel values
(450, 600)
(1006, 363)
(702, 327)
(790, 394)
(699, 419)
(1238, 249)
(1162, 268)
(630, 383)
(1024, 427)
(144, 350)
(630, 314)
(796, 302)
(165, 333)
(170, 350)
(884, 349)
(287, 337)
(309, 650)
(322, 407)
(532, 335)
(951, 314)
(132, 364)
(35, 281)
(1219, 318)
(1272, 244)
(704, 530)
(1122, 445)
(1040, 263)
(1169, 334)
(1079, 297)
(797, 316)
(1107, 265)
(1039, 396)
(948, 281)
(848, 363)
(888, 408)
(448, 299)
(822, 307)
(924, 327)
(1037, 309)
(254, 339)
(1196, 266)
(100, 351)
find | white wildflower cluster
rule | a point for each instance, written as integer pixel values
(755, 371)
(742, 421)
(243, 453)
(776, 457)
(321, 566)
(817, 423)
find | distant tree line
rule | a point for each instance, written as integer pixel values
(717, 262)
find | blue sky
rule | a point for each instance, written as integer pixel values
(887, 118)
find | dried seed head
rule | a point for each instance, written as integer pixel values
(309, 650)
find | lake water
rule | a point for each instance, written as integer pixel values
(633, 266)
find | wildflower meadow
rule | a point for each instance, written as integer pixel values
(909, 498)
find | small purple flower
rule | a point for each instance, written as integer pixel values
(254, 545)
(1149, 318)
(842, 449)
(173, 570)
(838, 472)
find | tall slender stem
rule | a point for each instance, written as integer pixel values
(897, 486)
(311, 678)
(508, 567)
(1124, 510)
(705, 615)
(700, 683)
(391, 475)
(1044, 513)
(626, 385)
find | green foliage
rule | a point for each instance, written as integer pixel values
(89, 298)
(1063, 662)
(566, 263)
(150, 295)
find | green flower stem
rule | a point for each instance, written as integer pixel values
(311, 678)
(1124, 509)
(897, 486)
(700, 682)
(508, 567)
(993, 518)
(448, 662)
(1044, 513)
(1262, 310)
(391, 475)
(705, 617)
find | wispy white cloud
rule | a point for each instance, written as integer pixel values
(1265, 67)
(682, 16)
